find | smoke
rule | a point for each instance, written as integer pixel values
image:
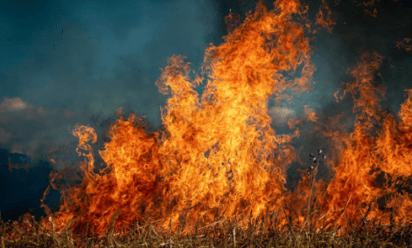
(69, 62)
(88, 58)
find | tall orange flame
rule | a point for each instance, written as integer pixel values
(377, 149)
(219, 153)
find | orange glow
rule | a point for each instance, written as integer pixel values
(218, 153)
(373, 13)
(404, 44)
(369, 153)
(324, 17)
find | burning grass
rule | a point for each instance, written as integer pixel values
(263, 231)
(268, 230)
(215, 174)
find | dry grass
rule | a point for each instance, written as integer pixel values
(265, 231)
(261, 232)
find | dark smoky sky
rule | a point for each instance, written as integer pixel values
(66, 62)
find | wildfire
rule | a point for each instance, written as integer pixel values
(217, 153)
(404, 44)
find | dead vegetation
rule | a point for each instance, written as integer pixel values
(265, 231)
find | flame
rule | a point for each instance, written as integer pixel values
(377, 148)
(217, 155)
(404, 44)
(324, 17)
(217, 152)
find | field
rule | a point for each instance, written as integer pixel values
(261, 232)
(214, 175)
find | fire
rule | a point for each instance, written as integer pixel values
(404, 44)
(217, 153)
(324, 17)
(378, 145)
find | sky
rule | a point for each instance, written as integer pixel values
(66, 62)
